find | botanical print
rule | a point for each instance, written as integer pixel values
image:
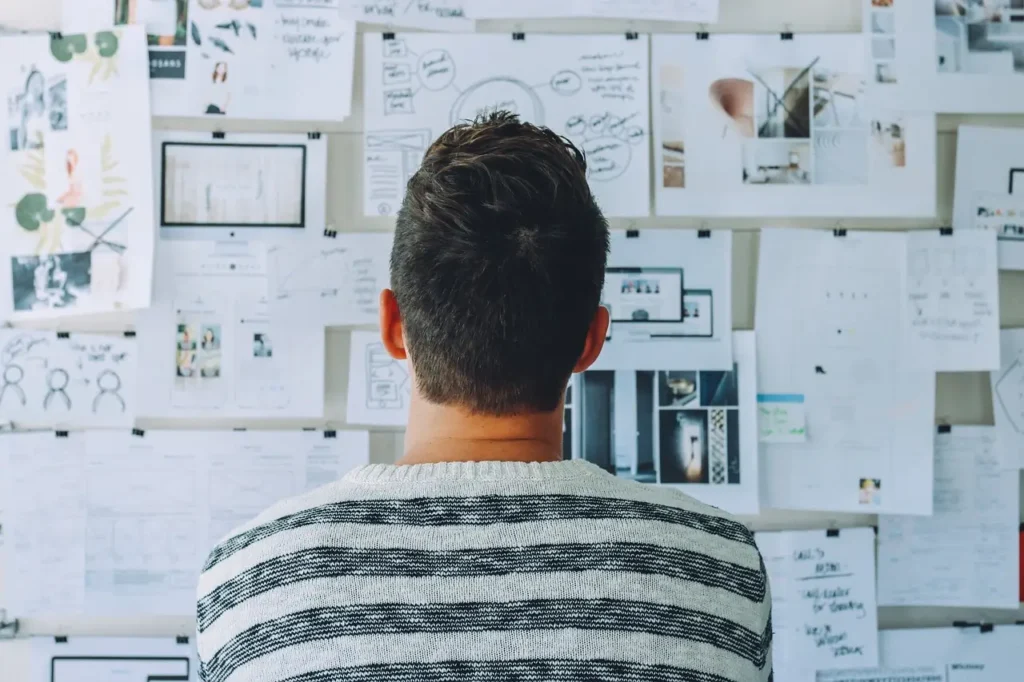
(80, 237)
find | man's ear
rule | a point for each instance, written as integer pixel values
(595, 339)
(391, 332)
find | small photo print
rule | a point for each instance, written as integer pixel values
(979, 36)
(185, 351)
(683, 446)
(677, 389)
(883, 22)
(888, 144)
(776, 162)
(261, 347)
(58, 104)
(54, 281)
(27, 116)
(165, 21)
(870, 492)
(839, 100)
(883, 48)
(673, 147)
(882, 3)
(719, 389)
(782, 102)
(210, 353)
(885, 73)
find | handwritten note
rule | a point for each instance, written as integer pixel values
(435, 15)
(966, 553)
(823, 599)
(313, 50)
(781, 418)
(953, 300)
(884, 675)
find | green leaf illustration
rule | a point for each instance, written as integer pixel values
(32, 211)
(64, 48)
(106, 43)
(74, 216)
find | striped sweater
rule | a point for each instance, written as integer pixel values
(486, 572)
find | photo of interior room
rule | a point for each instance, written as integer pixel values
(979, 36)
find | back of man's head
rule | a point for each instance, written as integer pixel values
(497, 266)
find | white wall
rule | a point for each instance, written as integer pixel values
(962, 398)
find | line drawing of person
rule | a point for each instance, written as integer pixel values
(72, 198)
(220, 96)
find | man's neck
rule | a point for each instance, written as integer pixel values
(442, 433)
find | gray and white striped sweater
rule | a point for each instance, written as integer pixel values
(486, 572)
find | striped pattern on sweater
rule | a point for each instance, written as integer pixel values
(485, 572)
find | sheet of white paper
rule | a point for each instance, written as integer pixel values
(966, 654)
(695, 429)
(242, 186)
(928, 674)
(379, 387)
(669, 294)
(966, 553)
(735, 134)
(75, 171)
(435, 15)
(115, 523)
(781, 418)
(1004, 215)
(989, 162)
(106, 659)
(67, 380)
(869, 417)
(209, 347)
(705, 11)
(591, 88)
(1008, 393)
(954, 56)
(953, 300)
(824, 614)
(44, 524)
(333, 279)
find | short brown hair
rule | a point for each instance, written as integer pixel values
(498, 265)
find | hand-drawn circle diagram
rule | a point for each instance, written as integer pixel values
(498, 94)
(566, 83)
(607, 158)
(436, 70)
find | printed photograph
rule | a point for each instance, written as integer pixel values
(261, 347)
(52, 281)
(782, 102)
(617, 432)
(676, 389)
(777, 162)
(838, 100)
(57, 101)
(885, 73)
(683, 446)
(719, 389)
(185, 351)
(209, 351)
(27, 116)
(870, 492)
(980, 36)
(673, 149)
(888, 144)
(567, 425)
(698, 316)
(881, 3)
(883, 22)
(165, 21)
(883, 48)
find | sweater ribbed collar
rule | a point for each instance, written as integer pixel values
(467, 471)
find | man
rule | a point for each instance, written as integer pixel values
(482, 555)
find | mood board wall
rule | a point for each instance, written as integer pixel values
(961, 398)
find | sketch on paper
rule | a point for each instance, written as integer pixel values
(78, 200)
(591, 89)
(50, 379)
(221, 184)
(387, 381)
(979, 36)
(439, 15)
